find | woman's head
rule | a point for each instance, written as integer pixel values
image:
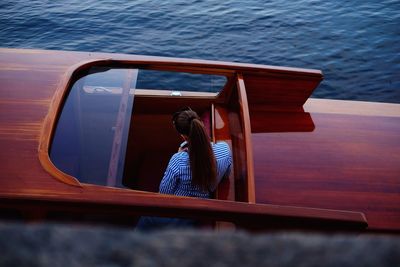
(183, 119)
(201, 156)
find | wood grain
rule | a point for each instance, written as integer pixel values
(33, 85)
(287, 92)
(349, 162)
(245, 120)
(226, 189)
(129, 205)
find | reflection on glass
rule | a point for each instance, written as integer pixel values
(93, 125)
(179, 81)
(92, 131)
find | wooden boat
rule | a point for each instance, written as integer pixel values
(299, 163)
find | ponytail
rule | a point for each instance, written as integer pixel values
(201, 155)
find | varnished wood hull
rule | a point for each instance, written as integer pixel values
(349, 161)
(335, 160)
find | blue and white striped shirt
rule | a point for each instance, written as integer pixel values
(177, 178)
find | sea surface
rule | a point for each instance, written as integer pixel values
(356, 43)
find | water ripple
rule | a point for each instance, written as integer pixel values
(355, 42)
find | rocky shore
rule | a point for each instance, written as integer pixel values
(73, 245)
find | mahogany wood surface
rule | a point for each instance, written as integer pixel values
(278, 92)
(128, 205)
(236, 135)
(226, 188)
(246, 128)
(349, 162)
(152, 142)
(31, 81)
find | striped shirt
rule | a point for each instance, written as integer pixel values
(177, 177)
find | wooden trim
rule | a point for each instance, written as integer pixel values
(180, 62)
(226, 188)
(49, 124)
(189, 69)
(245, 117)
(226, 92)
(149, 92)
(351, 107)
(245, 215)
(167, 93)
(227, 183)
(213, 138)
(50, 120)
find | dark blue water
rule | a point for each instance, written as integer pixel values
(356, 43)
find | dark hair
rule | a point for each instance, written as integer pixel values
(201, 155)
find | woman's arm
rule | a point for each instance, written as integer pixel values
(170, 180)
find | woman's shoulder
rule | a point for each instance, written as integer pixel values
(179, 158)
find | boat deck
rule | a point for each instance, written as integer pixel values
(339, 155)
(348, 161)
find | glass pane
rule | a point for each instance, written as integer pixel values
(179, 81)
(91, 134)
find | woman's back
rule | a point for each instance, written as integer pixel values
(177, 178)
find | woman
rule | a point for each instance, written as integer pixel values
(194, 171)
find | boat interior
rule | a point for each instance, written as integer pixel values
(152, 140)
(96, 107)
